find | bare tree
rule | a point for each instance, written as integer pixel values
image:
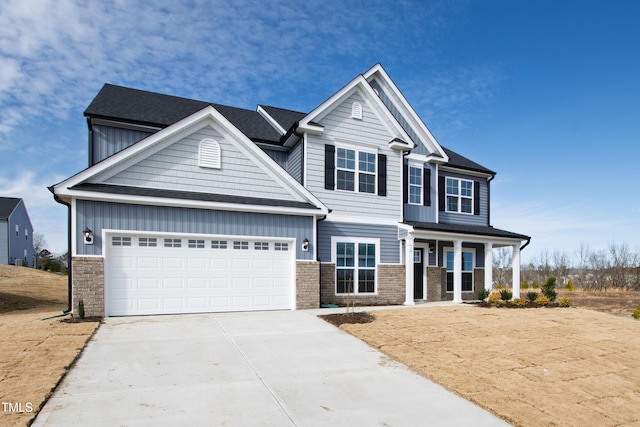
(620, 264)
(599, 264)
(502, 262)
(561, 265)
(582, 262)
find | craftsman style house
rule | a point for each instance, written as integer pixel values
(188, 206)
(16, 233)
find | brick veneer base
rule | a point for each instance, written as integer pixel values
(391, 287)
(307, 284)
(88, 285)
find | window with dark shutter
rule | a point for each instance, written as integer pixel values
(382, 175)
(476, 198)
(442, 191)
(426, 199)
(329, 167)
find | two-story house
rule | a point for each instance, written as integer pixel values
(16, 233)
(189, 206)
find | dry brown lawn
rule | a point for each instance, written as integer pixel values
(531, 367)
(35, 353)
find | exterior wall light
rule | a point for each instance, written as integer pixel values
(88, 236)
(305, 245)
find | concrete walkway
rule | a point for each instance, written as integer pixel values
(285, 368)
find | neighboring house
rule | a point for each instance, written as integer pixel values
(16, 233)
(188, 206)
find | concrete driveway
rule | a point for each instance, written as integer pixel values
(285, 368)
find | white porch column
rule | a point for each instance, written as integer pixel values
(457, 271)
(516, 271)
(488, 266)
(408, 265)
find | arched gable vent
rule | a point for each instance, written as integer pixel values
(356, 110)
(209, 155)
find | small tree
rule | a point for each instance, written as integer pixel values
(549, 288)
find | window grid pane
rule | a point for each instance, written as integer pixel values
(367, 183)
(346, 180)
(367, 162)
(366, 281)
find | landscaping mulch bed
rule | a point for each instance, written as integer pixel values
(338, 319)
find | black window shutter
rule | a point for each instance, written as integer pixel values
(427, 187)
(441, 193)
(382, 175)
(329, 166)
(405, 184)
(476, 198)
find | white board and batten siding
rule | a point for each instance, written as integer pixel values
(372, 134)
(176, 168)
(148, 274)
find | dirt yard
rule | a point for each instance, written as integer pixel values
(618, 303)
(531, 367)
(35, 353)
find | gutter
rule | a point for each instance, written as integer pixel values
(69, 263)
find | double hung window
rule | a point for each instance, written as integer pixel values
(467, 271)
(355, 267)
(415, 185)
(352, 174)
(459, 195)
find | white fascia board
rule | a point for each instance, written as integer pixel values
(208, 116)
(187, 203)
(465, 172)
(273, 122)
(413, 116)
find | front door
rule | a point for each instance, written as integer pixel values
(418, 273)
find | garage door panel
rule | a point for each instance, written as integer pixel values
(143, 279)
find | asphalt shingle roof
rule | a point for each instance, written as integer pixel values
(7, 205)
(190, 195)
(155, 109)
(477, 230)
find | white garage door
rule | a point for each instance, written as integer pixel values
(169, 274)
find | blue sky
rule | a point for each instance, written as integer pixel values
(546, 93)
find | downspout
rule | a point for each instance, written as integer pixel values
(69, 261)
(526, 244)
(318, 259)
(489, 201)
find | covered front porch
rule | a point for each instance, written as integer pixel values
(452, 261)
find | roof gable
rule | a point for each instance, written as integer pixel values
(153, 148)
(7, 206)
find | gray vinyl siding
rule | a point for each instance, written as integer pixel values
(18, 244)
(457, 218)
(424, 213)
(176, 168)
(339, 124)
(107, 140)
(294, 162)
(388, 235)
(280, 157)
(384, 97)
(98, 216)
(4, 243)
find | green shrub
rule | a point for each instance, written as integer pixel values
(542, 300)
(81, 309)
(500, 303)
(569, 286)
(518, 302)
(565, 302)
(636, 313)
(506, 294)
(499, 286)
(532, 296)
(535, 285)
(549, 289)
(524, 285)
(483, 294)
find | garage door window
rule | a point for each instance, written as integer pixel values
(218, 244)
(147, 242)
(172, 243)
(261, 246)
(281, 246)
(196, 244)
(120, 241)
(241, 245)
